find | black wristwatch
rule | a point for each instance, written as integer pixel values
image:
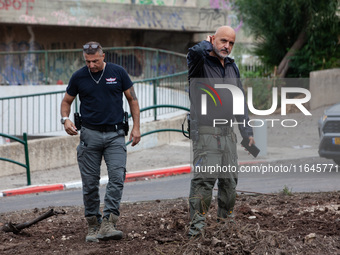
(63, 119)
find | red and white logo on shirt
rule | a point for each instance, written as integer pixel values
(111, 80)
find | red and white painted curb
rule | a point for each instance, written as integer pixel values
(130, 177)
(32, 189)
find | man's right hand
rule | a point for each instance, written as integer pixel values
(70, 128)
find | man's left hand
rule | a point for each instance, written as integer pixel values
(134, 136)
(251, 140)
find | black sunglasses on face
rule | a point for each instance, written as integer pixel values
(93, 46)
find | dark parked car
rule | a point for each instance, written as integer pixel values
(329, 132)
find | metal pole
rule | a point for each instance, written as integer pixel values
(28, 173)
(154, 83)
(260, 136)
(46, 68)
(157, 63)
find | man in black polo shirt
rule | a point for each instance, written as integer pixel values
(100, 87)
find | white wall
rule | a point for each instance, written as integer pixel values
(325, 87)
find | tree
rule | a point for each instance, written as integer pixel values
(296, 36)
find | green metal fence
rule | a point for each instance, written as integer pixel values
(160, 77)
(162, 129)
(27, 161)
(33, 114)
(45, 67)
(39, 114)
(168, 89)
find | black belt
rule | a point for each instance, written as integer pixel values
(104, 128)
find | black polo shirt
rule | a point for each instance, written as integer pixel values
(102, 103)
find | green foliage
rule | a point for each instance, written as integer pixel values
(286, 191)
(254, 68)
(322, 50)
(262, 95)
(276, 25)
(254, 72)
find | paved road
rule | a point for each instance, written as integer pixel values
(301, 178)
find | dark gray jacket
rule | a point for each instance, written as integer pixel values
(202, 65)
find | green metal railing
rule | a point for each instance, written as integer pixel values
(160, 77)
(160, 130)
(163, 106)
(160, 82)
(27, 165)
(33, 114)
(39, 114)
(163, 129)
(45, 67)
(177, 84)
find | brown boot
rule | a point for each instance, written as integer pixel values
(108, 229)
(93, 228)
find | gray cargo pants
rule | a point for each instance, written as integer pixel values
(93, 146)
(215, 157)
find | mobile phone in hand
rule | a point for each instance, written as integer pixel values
(253, 150)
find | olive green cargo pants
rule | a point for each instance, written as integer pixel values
(215, 157)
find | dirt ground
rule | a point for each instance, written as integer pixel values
(283, 223)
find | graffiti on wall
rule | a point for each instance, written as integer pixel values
(16, 68)
(20, 46)
(17, 5)
(30, 68)
(57, 67)
(130, 62)
(214, 19)
(217, 16)
(160, 19)
(107, 19)
(164, 65)
(141, 18)
(219, 12)
(150, 2)
(222, 4)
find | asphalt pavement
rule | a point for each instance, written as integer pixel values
(155, 162)
(282, 143)
(178, 186)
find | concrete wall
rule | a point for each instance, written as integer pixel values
(166, 24)
(324, 87)
(60, 151)
(116, 15)
(17, 37)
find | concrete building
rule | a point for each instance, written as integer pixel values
(165, 24)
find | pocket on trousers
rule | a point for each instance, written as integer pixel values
(81, 149)
(208, 165)
(234, 137)
(82, 134)
(121, 132)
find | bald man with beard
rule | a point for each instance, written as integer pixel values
(214, 147)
